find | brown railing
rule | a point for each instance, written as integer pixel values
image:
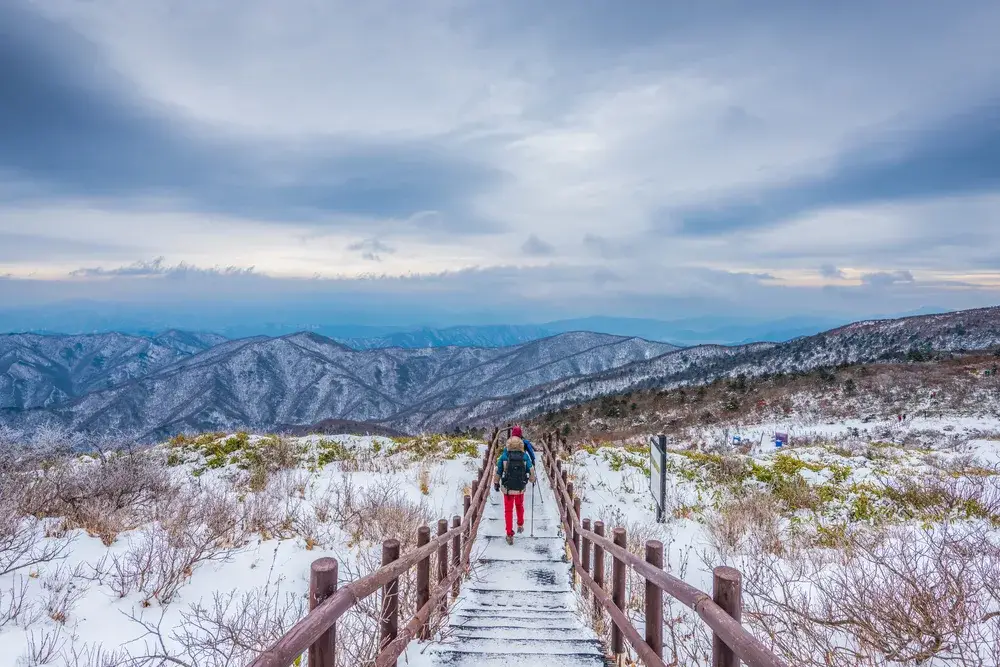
(317, 632)
(731, 642)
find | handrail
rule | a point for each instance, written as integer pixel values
(309, 630)
(744, 645)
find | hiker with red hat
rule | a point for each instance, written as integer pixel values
(516, 432)
(514, 470)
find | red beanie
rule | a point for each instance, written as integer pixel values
(515, 432)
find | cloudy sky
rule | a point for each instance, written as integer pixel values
(461, 160)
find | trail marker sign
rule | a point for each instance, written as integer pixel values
(657, 473)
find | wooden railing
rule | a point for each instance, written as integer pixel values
(731, 642)
(317, 631)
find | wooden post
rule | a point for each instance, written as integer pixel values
(654, 599)
(727, 591)
(568, 519)
(466, 525)
(423, 578)
(443, 563)
(618, 590)
(585, 557)
(323, 584)
(598, 564)
(576, 525)
(456, 553)
(390, 596)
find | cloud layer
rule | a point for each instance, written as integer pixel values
(653, 159)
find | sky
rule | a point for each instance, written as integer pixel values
(461, 161)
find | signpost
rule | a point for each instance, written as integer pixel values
(657, 478)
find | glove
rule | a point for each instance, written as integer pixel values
(496, 487)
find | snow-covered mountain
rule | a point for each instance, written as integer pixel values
(302, 379)
(876, 340)
(42, 370)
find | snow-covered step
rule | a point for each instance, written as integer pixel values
(536, 548)
(531, 646)
(528, 630)
(464, 659)
(507, 576)
(543, 620)
(518, 599)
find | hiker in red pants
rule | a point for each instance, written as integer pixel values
(514, 471)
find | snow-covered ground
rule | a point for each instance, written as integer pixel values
(806, 523)
(104, 587)
(867, 496)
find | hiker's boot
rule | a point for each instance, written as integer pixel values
(510, 539)
(520, 529)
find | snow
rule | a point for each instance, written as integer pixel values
(279, 566)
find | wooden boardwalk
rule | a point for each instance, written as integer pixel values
(519, 608)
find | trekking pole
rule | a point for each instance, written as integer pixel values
(532, 510)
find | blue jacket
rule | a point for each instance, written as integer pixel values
(528, 464)
(530, 448)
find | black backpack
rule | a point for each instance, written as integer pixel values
(515, 476)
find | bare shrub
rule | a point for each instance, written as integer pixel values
(114, 493)
(907, 597)
(94, 655)
(23, 542)
(378, 513)
(752, 517)
(15, 607)
(44, 648)
(201, 526)
(232, 631)
(62, 592)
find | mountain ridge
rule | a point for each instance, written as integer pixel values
(304, 378)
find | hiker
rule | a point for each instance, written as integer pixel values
(516, 432)
(514, 471)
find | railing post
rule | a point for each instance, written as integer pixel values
(585, 556)
(727, 591)
(576, 530)
(456, 553)
(390, 596)
(443, 563)
(467, 525)
(598, 564)
(323, 584)
(618, 590)
(654, 599)
(423, 578)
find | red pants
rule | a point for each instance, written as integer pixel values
(509, 503)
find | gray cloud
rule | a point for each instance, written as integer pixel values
(159, 267)
(887, 278)
(955, 157)
(536, 247)
(371, 249)
(72, 126)
(831, 271)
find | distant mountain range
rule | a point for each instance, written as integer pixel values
(725, 330)
(154, 387)
(176, 381)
